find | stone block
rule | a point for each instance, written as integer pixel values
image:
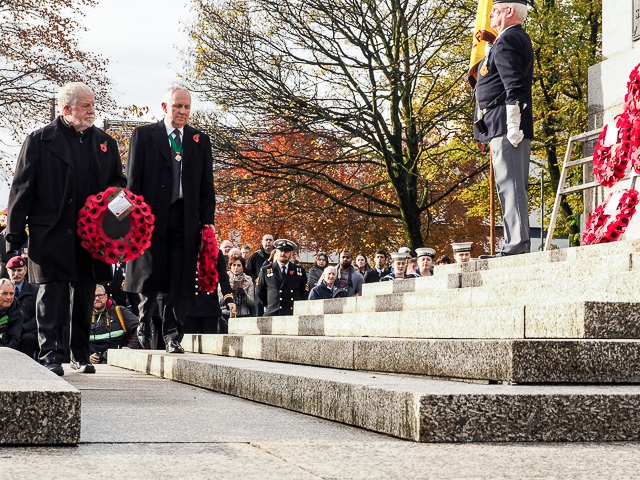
(416, 408)
(36, 406)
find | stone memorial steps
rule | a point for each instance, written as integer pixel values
(510, 361)
(555, 320)
(410, 407)
(602, 288)
(36, 406)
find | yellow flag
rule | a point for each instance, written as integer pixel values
(482, 33)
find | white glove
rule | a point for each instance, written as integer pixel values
(514, 134)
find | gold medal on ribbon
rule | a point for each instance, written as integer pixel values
(484, 70)
(178, 157)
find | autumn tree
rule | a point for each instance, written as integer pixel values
(566, 41)
(39, 52)
(379, 87)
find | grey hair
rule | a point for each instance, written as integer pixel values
(520, 10)
(99, 285)
(5, 281)
(329, 267)
(168, 94)
(68, 94)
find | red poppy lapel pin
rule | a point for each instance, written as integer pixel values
(196, 137)
(103, 147)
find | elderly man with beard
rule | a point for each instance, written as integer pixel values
(26, 294)
(59, 166)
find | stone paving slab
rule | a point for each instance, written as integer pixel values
(512, 361)
(36, 406)
(553, 320)
(410, 407)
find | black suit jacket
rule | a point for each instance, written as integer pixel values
(277, 292)
(150, 173)
(510, 70)
(43, 196)
(372, 276)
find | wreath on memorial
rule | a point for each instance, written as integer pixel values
(207, 278)
(603, 228)
(115, 239)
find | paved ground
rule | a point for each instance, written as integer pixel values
(138, 426)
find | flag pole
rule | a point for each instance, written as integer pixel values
(492, 205)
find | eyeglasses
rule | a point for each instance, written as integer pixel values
(100, 295)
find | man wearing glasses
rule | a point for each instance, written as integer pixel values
(504, 118)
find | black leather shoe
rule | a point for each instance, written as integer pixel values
(55, 368)
(83, 367)
(174, 347)
(144, 335)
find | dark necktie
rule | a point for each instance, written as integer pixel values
(284, 270)
(176, 132)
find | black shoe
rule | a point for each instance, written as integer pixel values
(83, 367)
(55, 368)
(144, 335)
(174, 347)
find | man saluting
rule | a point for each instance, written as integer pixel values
(504, 118)
(170, 164)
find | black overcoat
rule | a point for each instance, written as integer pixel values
(510, 70)
(43, 196)
(150, 173)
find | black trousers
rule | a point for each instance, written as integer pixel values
(175, 305)
(202, 325)
(56, 302)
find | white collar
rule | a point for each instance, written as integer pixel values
(170, 129)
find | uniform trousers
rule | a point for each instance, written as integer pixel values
(56, 301)
(511, 170)
(175, 304)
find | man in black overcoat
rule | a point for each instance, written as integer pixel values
(59, 166)
(504, 118)
(171, 165)
(282, 282)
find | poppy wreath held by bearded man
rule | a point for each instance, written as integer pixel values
(207, 273)
(115, 237)
(602, 227)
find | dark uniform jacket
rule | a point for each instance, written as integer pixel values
(373, 276)
(11, 325)
(510, 70)
(150, 173)
(207, 304)
(277, 293)
(107, 330)
(43, 196)
(27, 303)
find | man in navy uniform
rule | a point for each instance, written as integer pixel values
(504, 118)
(462, 251)
(282, 282)
(400, 263)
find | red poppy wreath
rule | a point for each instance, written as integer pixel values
(603, 228)
(207, 259)
(112, 239)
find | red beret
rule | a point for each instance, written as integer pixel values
(17, 262)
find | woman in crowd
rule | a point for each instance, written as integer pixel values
(362, 264)
(241, 287)
(322, 260)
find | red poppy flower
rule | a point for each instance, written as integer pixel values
(103, 147)
(196, 137)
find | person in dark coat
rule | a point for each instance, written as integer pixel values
(25, 294)
(327, 288)
(281, 283)
(204, 314)
(170, 164)
(504, 118)
(315, 273)
(59, 166)
(256, 261)
(379, 270)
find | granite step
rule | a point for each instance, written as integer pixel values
(36, 406)
(598, 320)
(510, 361)
(600, 288)
(410, 407)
